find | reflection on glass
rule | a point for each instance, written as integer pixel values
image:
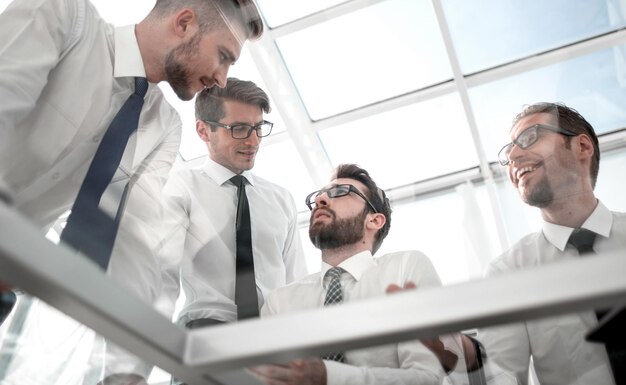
(381, 51)
(514, 29)
(454, 229)
(278, 12)
(555, 176)
(408, 144)
(594, 84)
(191, 147)
(281, 163)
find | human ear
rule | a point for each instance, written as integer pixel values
(202, 129)
(376, 221)
(585, 146)
(185, 22)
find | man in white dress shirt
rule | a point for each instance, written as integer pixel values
(350, 218)
(553, 162)
(199, 245)
(65, 72)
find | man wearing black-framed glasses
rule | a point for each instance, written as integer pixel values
(230, 236)
(350, 218)
(553, 162)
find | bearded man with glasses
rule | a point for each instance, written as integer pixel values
(553, 161)
(350, 218)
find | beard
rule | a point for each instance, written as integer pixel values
(176, 73)
(541, 195)
(339, 232)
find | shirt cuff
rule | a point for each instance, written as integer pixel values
(338, 373)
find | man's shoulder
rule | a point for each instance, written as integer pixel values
(272, 189)
(402, 257)
(518, 255)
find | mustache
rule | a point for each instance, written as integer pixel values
(327, 210)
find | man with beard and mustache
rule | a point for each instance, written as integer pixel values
(199, 251)
(553, 163)
(65, 73)
(350, 218)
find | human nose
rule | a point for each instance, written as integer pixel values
(322, 199)
(220, 76)
(514, 153)
(253, 138)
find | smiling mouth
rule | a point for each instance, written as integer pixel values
(521, 172)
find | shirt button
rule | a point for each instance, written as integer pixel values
(56, 176)
(96, 138)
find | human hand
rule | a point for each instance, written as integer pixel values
(307, 371)
(393, 288)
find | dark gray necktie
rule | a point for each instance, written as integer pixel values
(245, 285)
(334, 295)
(582, 240)
(89, 229)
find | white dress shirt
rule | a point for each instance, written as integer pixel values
(64, 74)
(199, 242)
(366, 277)
(557, 344)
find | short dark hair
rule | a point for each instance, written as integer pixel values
(569, 119)
(376, 195)
(210, 102)
(212, 13)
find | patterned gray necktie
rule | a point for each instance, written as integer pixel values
(334, 296)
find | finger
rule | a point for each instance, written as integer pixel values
(393, 288)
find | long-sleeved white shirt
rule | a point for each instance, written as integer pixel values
(64, 74)
(366, 277)
(561, 356)
(199, 240)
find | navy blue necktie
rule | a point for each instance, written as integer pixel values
(245, 284)
(89, 229)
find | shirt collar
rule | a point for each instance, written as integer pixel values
(221, 174)
(356, 265)
(600, 222)
(128, 62)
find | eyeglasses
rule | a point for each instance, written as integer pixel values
(336, 192)
(243, 131)
(527, 138)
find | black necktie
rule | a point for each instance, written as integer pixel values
(89, 229)
(334, 295)
(582, 240)
(245, 285)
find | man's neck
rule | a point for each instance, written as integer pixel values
(571, 211)
(334, 257)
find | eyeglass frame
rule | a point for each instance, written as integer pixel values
(231, 127)
(536, 127)
(326, 190)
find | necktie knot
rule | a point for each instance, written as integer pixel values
(238, 180)
(141, 86)
(334, 272)
(582, 240)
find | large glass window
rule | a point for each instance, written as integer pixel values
(277, 12)
(408, 144)
(489, 33)
(376, 53)
(593, 84)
